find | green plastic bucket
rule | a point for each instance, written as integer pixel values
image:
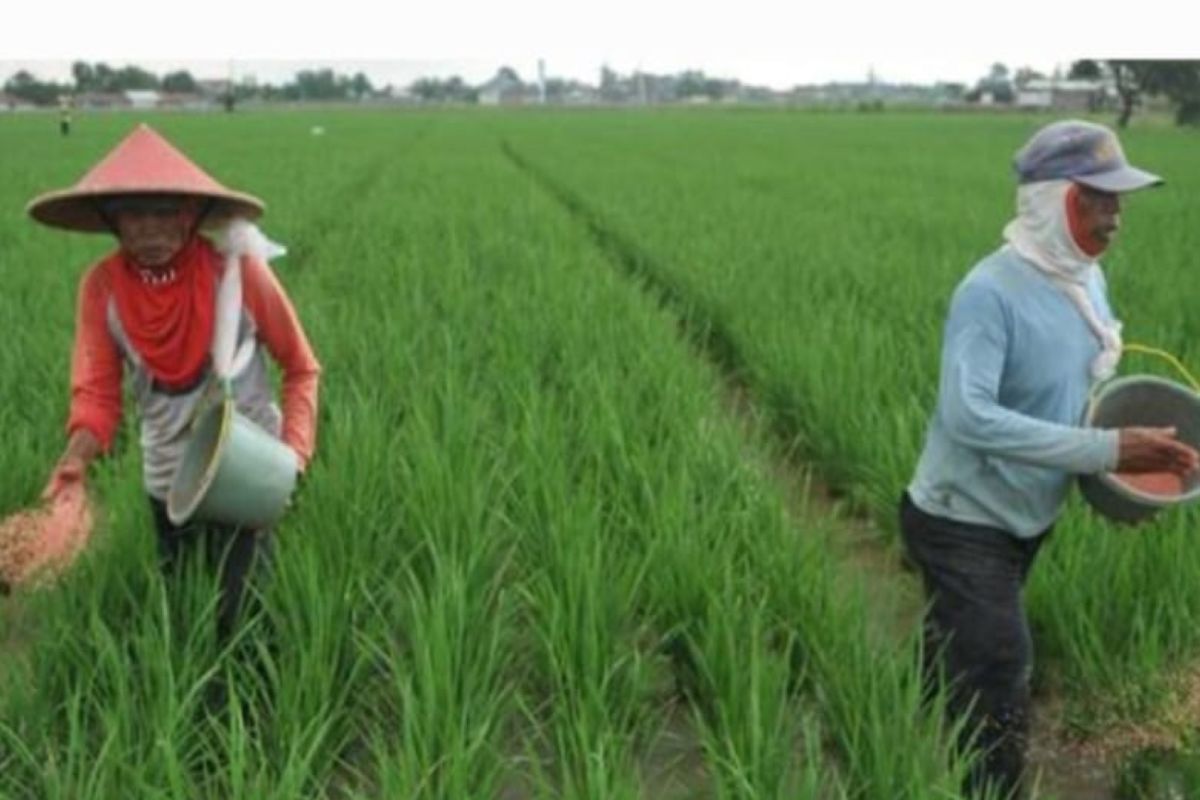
(232, 472)
(1141, 401)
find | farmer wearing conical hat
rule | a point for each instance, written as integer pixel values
(148, 310)
(1029, 332)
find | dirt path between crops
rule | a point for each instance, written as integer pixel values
(1061, 767)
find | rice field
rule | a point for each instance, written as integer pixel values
(615, 411)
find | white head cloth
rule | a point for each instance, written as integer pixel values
(235, 239)
(1041, 233)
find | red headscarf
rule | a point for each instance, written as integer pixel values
(168, 313)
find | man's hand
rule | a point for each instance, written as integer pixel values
(1155, 450)
(71, 469)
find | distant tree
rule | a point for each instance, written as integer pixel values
(1129, 90)
(84, 75)
(560, 90)
(105, 78)
(1085, 70)
(556, 90)
(92, 77)
(133, 78)
(271, 92)
(437, 90)
(426, 89)
(1178, 81)
(691, 83)
(180, 82)
(508, 74)
(25, 86)
(952, 92)
(319, 84)
(995, 83)
(361, 85)
(20, 84)
(100, 77)
(458, 91)
(1026, 74)
(612, 88)
(721, 88)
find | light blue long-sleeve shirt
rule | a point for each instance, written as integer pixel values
(1007, 435)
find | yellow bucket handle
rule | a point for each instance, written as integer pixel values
(1149, 351)
(1170, 359)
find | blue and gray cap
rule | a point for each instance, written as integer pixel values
(1083, 152)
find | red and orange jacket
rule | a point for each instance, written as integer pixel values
(103, 350)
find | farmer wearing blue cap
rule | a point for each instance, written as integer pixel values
(1028, 333)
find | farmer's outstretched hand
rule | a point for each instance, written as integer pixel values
(1155, 450)
(71, 469)
(67, 472)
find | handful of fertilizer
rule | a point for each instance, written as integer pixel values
(39, 544)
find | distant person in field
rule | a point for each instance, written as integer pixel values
(1028, 334)
(147, 311)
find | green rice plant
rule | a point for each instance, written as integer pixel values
(823, 249)
(532, 529)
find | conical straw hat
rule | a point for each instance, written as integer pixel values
(144, 163)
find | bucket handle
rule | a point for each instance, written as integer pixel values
(1133, 347)
(1170, 359)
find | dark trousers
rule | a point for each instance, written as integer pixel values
(235, 553)
(977, 635)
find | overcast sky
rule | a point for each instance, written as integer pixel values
(775, 44)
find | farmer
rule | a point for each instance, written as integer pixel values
(149, 309)
(1028, 333)
(64, 116)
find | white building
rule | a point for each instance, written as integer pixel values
(142, 99)
(1062, 95)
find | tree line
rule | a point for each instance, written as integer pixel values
(1133, 80)
(320, 84)
(1178, 81)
